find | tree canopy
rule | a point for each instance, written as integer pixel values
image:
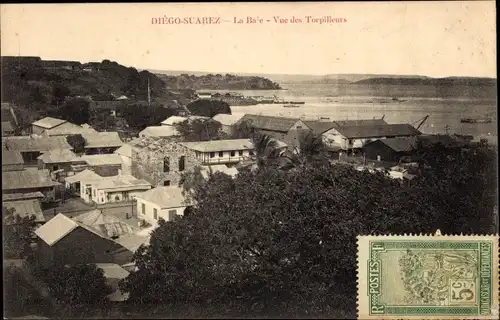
(274, 242)
(199, 130)
(208, 108)
(76, 110)
(140, 115)
(77, 141)
(18, 234)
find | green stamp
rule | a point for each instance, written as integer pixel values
(428, 277)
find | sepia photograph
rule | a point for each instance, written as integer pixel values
(306, 160)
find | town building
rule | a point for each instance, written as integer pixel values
(8, 129)
(47, 124)
(392, 149)
(26, 181)
(115, 189)
(105, 165)
(9, 120)
(68, 129)
(56, 159)
(125, 153)
(206, 171)
(31, 147)
(173, 120)
(113, 273)
(83, 178)
(25, 205)
(67, 242)
(221, 151)
(160, 131)
(354, 137)
(106, 224)
(161, 161)
(102, 142)
(113, 106)
(228, 121)
(161, 202)
(12, 160)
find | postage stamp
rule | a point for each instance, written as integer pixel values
(428, 277)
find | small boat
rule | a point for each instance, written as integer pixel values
(476, 120)
(291, 106)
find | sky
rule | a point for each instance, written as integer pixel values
(436, 39)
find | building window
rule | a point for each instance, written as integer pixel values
(233, 153)
(221, 154)
(212, 154)
(143, 208)
(166, 183)
(155, 214)
(251, 153)
(182, 163)
(171, 214)
(166, 164)
(93, 192)
(240, 153)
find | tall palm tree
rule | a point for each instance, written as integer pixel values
(264, 149)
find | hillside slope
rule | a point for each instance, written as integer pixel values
(218, 82)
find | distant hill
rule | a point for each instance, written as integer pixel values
(217, 82)
(33, 80)
(449, 81)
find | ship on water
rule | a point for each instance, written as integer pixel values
(477, 120)
(290, 106)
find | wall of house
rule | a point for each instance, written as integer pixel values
(107, 170)
(147, 164)
(30, 157)
(54, 166)
(126, 166)
(49, 192)
(13, 167)
(149, 207)
(206, 157)
(333, 138)
(108, 196)
(83, 246)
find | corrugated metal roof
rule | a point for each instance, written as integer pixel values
(228, 119)
(27, 179)
(159, 131)
(360, 122)
(112, 270)
(220, 145)
(132, 241)
(57, 156)
(106, 224)
(68, 128)
(87, 175)
(100, 159)
(59, 227)
(170, 121)
(121, 182)
(319, 127)
(48, 122)
(165, 197)
(279, 124)
(10, 157)
(36, 144)
(102, 140)
(376, 131)
(402, 144)
(22, 196)
(26, 208)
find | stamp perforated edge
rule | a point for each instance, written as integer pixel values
(361, 300)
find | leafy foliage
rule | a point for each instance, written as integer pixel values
(242, 130)
(199, 130)
(77, 141)
(76, 110)
(274, 242)
(208, 108)
(141, 115)
(18, 234)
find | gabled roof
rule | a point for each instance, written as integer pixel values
(87, 175)
(102, 140)
(402, 144)
(220, 145)
(10, 157)
(270, 123)
(57, 156)
(319, 127)
(170, 121)
(376, 131)
(26, 208)
(124, 181)
(22, 196)
(100, 159)
(104, 223)
(48, 122)
(27, 179)
(132, 241)
(228, 119)
(67, 129)
(36, 144)
(159, 131)
(360, 122)
(165, 197)
(59, 227)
